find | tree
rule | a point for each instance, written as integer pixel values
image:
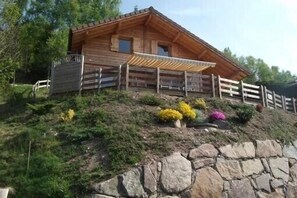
(43, 28)
(9, 43)
(260, 71)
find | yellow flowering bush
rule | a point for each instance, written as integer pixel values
(167, 115)
(186, 110)
(68, 116)
(200, 104)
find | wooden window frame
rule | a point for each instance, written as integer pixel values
(131, 44)
(165, 44)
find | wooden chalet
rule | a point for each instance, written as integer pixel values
(146, 50)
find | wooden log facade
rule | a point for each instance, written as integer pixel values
(149, 32)
(145, 50)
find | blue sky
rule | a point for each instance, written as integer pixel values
(265, 29)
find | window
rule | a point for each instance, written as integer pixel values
(125, 45)
(163, 50)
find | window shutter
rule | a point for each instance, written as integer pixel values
(154, 47)
(136, 44)
(114, 43)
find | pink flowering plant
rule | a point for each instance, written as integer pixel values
(217, 115)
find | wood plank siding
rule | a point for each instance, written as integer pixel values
(146, 28)
(98, 51)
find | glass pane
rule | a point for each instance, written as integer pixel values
(125, 46)
(163, 50)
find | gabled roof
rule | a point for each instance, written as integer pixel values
(153, 18)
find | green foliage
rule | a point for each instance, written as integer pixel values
(150, 100)
(27, 25)
(161, 142)
(142, 118)
(40, 109)
(245, 113)
(169, 115)
(200, 104)
(260, 71)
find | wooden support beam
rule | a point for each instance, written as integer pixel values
(118, 27)
(219, 86)
(242, 91)
(186, 82)
(284, 103)
(158, 80)
(202, 54)
(148, 20)
(274, 99)
(119, 77)
(99, 78)
(213, 86)
(176, 37)
(127, 77)
(294, 104)
(81, 74)
(262, 95)
(266, 99)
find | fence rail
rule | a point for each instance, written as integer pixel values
(40, 84)
(178, 83)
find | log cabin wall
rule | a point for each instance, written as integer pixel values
(99, 51)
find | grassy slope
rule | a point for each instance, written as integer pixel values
(111, 132)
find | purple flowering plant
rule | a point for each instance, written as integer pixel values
(217, 115)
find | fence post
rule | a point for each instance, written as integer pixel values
(242, 91)
(274, 99)
(127, 77)
(262, 95)
(294, 104)
(284, 103)
(47, 83)
(119, 77)
(219, 87)
(158, 79)
(265, 95)
(213, 86)
(99, 79)
(186, 83)
(81, 75)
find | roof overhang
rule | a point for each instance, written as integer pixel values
(152, 18)
(168, 63)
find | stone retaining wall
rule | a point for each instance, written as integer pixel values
(264, 169)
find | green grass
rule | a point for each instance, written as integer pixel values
(57, 147)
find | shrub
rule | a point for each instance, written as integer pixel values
(150, 100)
(217, 115)
(245, 113)
(259, 108)
(40, 109)
(200, 104)
(68, 116)
(186, 110)
(167, 115)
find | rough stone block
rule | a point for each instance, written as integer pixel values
(229, 169)
(263, 182)
(268, 148)
(241, 188)
(251, 167)
(205, 150)
(199, 163)
(208, 183)
(280, 168)
(176, 173)
(236, 151)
